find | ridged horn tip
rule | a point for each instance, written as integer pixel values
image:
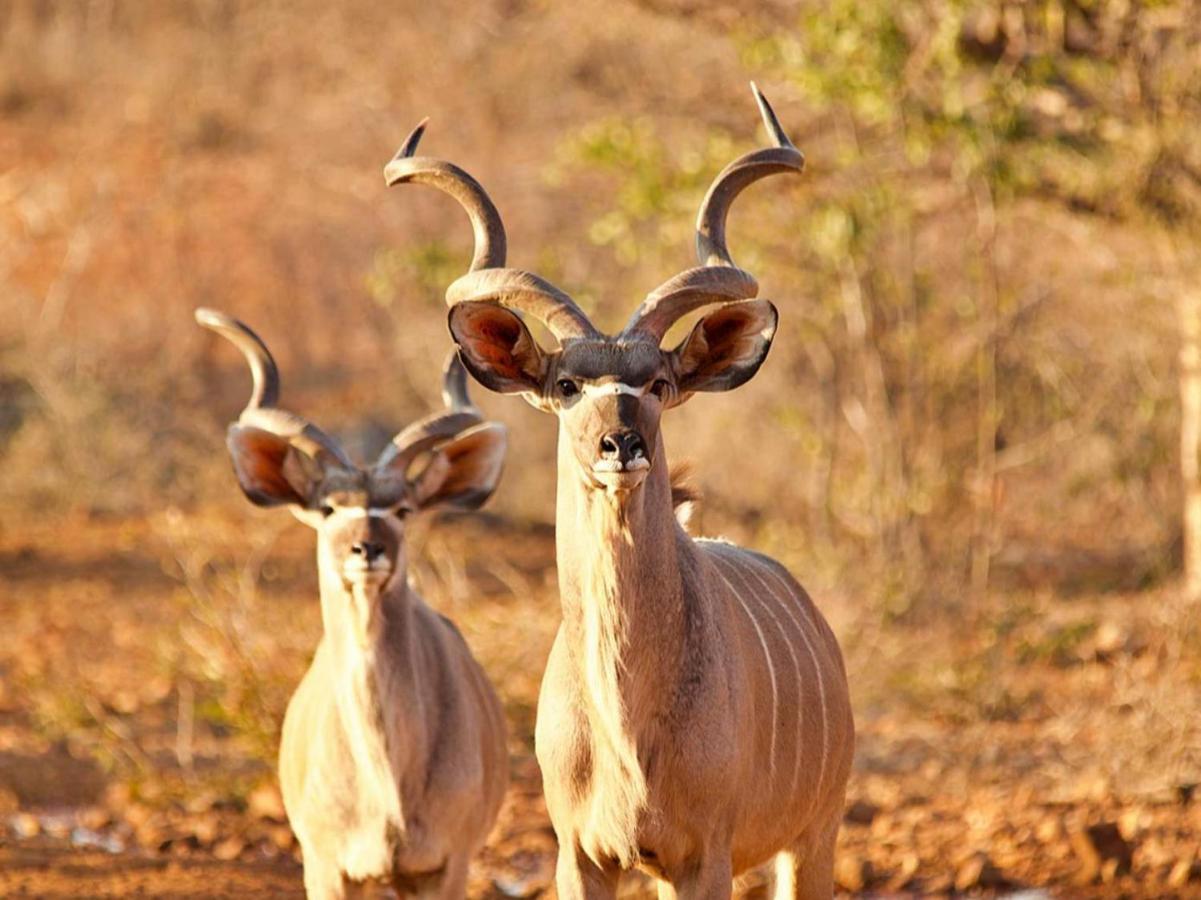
(210, 318)
(770, 122)
(409, 147)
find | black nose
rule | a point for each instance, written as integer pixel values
(622, 446)
(369, 550)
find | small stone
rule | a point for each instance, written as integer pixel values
(1130, 823)
(1049, 830)
(151, 832)
(136, 814)
(281, 836)
(904, 875)
(938, 883)
(230, 848)
(25, 825)
(57, 826)
(1109, 640)
(201, 801)
(860, 812)
(265, 802)
(977, 871)
(1183, 872)
(205, 829)
(1102, 851)
(853, 873)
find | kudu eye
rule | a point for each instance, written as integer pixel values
(327, 511)
(660, 388)
(567, 387)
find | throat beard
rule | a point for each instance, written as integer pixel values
(365, 597)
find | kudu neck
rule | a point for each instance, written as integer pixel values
(374, 657)
(634, 532)
(619, 578)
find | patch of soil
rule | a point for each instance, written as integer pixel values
(54, 778)
(52, 872)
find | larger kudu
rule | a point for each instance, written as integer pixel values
(694, 718)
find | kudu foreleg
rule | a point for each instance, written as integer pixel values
(712, 880)
(806, 870)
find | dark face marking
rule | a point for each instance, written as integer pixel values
(634, 363)
(609, 396)
(358, 519)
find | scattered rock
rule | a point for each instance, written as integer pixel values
(89, 839)
(1102, 852)
(1183, 872)
(1132, 823)
(1185, 792)
(136, 814)
(151, 832)
(201, 801)
(938, 884)
(281, 836)
(25, 825)
(230, 848)
(1110, 639)
(265, 802)
(57, 825)
(904, 875)
(978, 871)
(205, 828)
(853, 873)
(860, 812)
(1049, 830)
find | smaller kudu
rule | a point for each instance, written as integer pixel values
(694, 719)
(393, 762)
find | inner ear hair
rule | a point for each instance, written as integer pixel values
(726, 347)
(496, 347)
(270, 471)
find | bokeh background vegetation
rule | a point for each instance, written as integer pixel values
(965, 440)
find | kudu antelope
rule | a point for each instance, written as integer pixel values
(694, 718)
(393, 761)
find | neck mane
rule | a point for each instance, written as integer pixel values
(624, 617)
(374, 663)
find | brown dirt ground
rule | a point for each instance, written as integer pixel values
(143, 673)
(63, 872)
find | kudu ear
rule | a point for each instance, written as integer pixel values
(464, 471)
(497, 348)
(726, 347)
(270, 470)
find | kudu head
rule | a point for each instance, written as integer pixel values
(609, 391)
(449, 458)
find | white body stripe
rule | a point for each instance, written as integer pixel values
(796, 667)
(771, 669)
(821, 689)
